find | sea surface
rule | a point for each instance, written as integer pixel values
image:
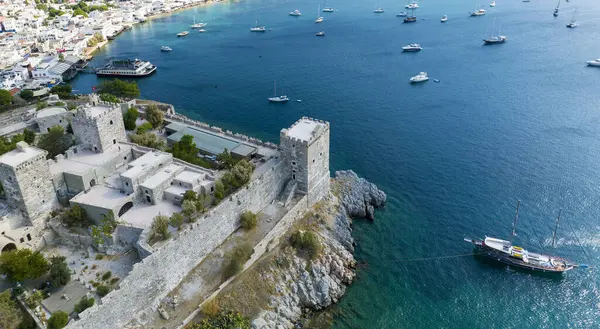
(517, 121)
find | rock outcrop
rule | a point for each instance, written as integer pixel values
(316, 284)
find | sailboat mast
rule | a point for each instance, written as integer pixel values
(514, 227)
(556, 228)
(275, 88)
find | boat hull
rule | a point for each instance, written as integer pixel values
(114, 74)
(595, 64)
(410, 20)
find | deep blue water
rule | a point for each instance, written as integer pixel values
(514, 121)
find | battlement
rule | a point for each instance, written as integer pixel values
(304, 131)
(23, 156)
(97, 111)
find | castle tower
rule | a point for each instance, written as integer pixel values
(305, 148)
(27, 186)
(98, 125)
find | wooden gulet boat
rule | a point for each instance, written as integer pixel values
(505, 252)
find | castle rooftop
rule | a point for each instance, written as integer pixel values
(94, 111)
(21, 154)
(305, 129)
(84, 160)
(189, 177)
(101, 196)
(160, 177)
(148, 160)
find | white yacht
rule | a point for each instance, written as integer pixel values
(412, 5)
(401, 14)
(275, 98)
(320, 34)
(295, 13)
(328, 10)
(412, 47)
(595, 62)
(258, 28)
(197, 25)
(479, 12)
(444, 19)
(421, 77)
(378, 11)
(319, 17)
(183, 33)
(165, 48)
(493, 4)
(202, 30)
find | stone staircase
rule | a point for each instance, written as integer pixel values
(288, 193)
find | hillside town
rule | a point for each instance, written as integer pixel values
(44, 43)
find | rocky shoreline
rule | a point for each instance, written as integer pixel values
(302, 286)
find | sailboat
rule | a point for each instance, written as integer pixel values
(328, 9)
(556, 9)
(505, 252)
(258, 28)
(495, 38)
(275, 98)
(573, 23)
(197, 25)
(319, 18)
(410, 18)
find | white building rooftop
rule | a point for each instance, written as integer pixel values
(161, 176)
(189, 177)
(22, 153)
(148, 160)
(304, 129)
(102, 197)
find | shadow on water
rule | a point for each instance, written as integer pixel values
(485, 264)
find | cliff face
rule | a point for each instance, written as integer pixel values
(317, 284)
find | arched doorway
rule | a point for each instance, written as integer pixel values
(9, 246)
(93, 182)
(125, 208)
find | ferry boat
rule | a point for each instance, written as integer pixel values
(126, 68)
(182, 34)
(412, 47)
(505, 252)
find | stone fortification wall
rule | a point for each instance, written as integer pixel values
(183, 119)
(99, 132)
(158, 274)
(61, 119)
(69, 238)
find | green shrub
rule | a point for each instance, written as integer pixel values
(109, 98)
(237, 258)
(248, 220)
(144, 127)
(41, 105)
(176, 220)
(60, 274)
(63, 91)
(84, 303)
(99, 257)
(102, 290)
(75, 216)
(58, 320)
(26, 94)
(155, 116)
(306, 243)
(148, 139)
(34, 299)
(160, 227)
(106, 276)
(223, 320)
(129, 117)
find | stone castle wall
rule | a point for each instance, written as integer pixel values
(100, 132)
(61, 119)
(162, 271)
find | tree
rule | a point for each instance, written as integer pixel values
(109, 98)
(34, 299)
(5, 97)
(26, 94)
(60, 274)
(248, 220)
(148, 140)
(143, 128)
(160, 227)
(76, 216)
(190, 195)
(83, 304)
(219, 189)
(63, 91)
(78, 12)
(130, 117)
(176, 220)
(6, 145)
(155, 116)
(102, 290)
(201, 202)
(55, 141)
(226, 159)
(120, 88)
(103, 233)
(185, 148)
(189, 209)
(223, 320)
(28, 136)
(58, 320)
(22, 264)
(61, 57)
(10, 316)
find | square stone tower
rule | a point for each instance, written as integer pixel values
(98, 125)
(305, 148)
(24, 174)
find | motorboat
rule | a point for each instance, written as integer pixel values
(202, 30)
(275, 98)
(182, 33)
(296, 13)
(479, 12)
(378, 11)
(197, 25)
(413, 47)
(421, 77)
(328, 10)
(165, 48)
(444, 19)
(320, 34)
(595, 62)
(402, 14)
(258, 28)
(412, 5)
(493, 4)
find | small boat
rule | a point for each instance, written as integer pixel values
(495, 37)
(479, 12)
(378, 11)
(421, 77)
(412, 5)
(319, 18)
(413, 47)
(573, 22)
(328, 10)
(165, 48)
(505, 252)
(410, 19)
(595, 62)
(275, 98)
(555, 14)
(444, 19)
(493, 4)
(402, 14)
(436, 80)
(182, 33)
(202, 30)
(299, 100)
(530, 1)
(296, 13)
(320, 34)
(197, 25)
(258, 28)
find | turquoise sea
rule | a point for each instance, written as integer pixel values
(514, 121)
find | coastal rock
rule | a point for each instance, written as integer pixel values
(303, 285)
(358, 196)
